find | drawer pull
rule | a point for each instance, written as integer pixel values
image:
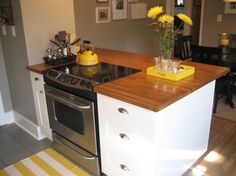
(36, 79)
(124, 136)
(124, 167)
(123, 111)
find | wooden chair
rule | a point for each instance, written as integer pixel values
(207, 55)
(183, 47)
(229, 60)
(213, 56)
(232, 40)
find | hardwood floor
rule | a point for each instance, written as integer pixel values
(220, 159)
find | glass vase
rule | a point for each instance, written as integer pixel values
(166, 59)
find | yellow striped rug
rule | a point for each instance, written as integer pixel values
(45, 163)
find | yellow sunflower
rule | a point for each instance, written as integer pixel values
(153, 12)
(166, 19)
(185, 18)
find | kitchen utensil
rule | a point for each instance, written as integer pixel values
(62, 36)
(76, 41)
(56, 43)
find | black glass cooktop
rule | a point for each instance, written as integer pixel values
(101, 73)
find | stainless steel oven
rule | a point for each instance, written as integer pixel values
(72, 109)
(72, 120)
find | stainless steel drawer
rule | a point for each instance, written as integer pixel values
(79, 156)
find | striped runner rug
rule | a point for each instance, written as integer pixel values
(45, 163)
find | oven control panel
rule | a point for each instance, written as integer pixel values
(70, 80)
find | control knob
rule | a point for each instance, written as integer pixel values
(89, 85)
(82, 83)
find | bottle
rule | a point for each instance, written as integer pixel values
(223, 39)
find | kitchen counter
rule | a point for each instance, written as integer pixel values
(151, 92)
(41, 68)
(147, 91)
(160, 120)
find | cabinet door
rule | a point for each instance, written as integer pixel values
(40, 104)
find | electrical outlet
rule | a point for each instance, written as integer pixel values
(4, 32)
(13, 31)
(219, 18)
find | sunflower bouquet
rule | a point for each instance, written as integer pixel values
(164, 26)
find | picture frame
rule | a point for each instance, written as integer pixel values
(102, 1)
(102, 14)
(119, 9)
(230, 7)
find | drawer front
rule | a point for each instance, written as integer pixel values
(123, 163)
(37, 80)
(119, 112)
(127, 137)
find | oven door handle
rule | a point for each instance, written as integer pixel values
(80, 154)
(62, 100)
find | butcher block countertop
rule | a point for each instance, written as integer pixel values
(147, 91)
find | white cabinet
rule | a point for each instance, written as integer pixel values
(125, 137)
(40, 104)
(138, 142)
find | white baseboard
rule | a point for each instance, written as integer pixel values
(28, 126)
(46, 132)
(6, 118)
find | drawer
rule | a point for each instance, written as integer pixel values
(118, 112)
(117, 163)
(37, 79)
(127, 137)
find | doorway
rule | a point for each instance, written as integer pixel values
(192, 8)
(196, 17)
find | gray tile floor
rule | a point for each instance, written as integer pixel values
(16, 144)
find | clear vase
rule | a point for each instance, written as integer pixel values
(166, 59)
(166, 46)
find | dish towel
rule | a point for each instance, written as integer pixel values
(45, 163)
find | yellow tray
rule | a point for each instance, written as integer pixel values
(186, 71)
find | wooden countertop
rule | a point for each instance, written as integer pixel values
(151, 92)
(147, 91)
(41, 68)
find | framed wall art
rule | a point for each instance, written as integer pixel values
(102, 1)
(230, 7)
(102, 14)
(119, 9)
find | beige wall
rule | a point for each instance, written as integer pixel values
(210, 27)
(128, 35)
(15, 57)
(42, 19)
(4, 87)
(36, 21)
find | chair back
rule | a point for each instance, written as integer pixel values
(207, 55)
(232, 40)
(184, 46)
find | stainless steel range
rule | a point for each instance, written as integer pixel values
(72, 109)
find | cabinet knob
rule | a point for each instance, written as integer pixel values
(41, 91)
(36, 79)
(124, 136)
(124, 167)
(123, 111)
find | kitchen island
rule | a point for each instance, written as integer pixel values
(150, 126)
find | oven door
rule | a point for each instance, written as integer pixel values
(72, 117)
